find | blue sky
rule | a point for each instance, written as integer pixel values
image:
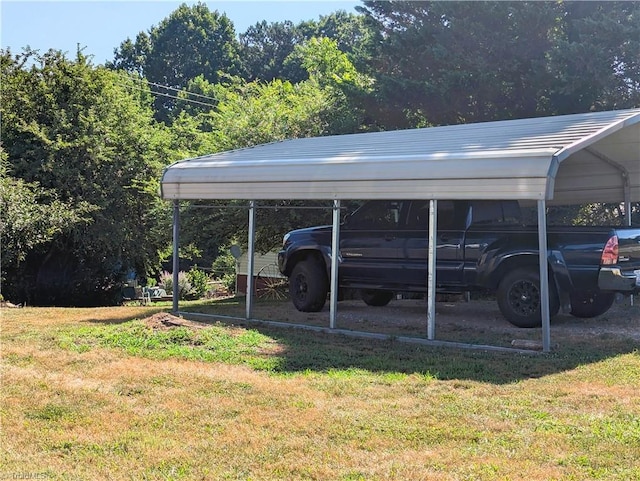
(99, 27)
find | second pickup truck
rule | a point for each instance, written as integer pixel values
(481, 245)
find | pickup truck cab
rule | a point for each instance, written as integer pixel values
(480, 245)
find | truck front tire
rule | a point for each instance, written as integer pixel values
(308, 286)
(519, 298)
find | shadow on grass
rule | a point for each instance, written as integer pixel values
(305, 350)
(131, 312)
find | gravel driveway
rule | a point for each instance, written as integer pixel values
(477, 321)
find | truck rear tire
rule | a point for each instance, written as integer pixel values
(376, 297)
(591, 304)
(519, 298)
(308, 286)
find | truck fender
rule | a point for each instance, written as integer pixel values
(495, 267)
(286, 261)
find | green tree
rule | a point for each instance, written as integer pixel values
(87, 136)
(453, 62)
(595, 60)
(348, 30)
(132, 56)
(192, 41)
(264, 49)
(30, 217)
(260, 113)
(337, 77)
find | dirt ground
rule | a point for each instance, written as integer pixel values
(621, 319)
(163, 321)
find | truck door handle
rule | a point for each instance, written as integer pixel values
(389, 238)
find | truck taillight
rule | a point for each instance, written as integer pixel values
(610, 252)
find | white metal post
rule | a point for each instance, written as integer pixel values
(176, 252)
(335, 254)
(250, 258)
(627, 199)
(628, 216)
(431, 271)
(544, 276)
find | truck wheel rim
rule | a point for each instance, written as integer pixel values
(524, 297)
(301, 287)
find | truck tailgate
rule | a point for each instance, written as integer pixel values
(628, 248)
(623, 276)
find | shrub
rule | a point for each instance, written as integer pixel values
(199, 281)
(224, 269)
(184, 286)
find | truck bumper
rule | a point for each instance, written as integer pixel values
(613, 279)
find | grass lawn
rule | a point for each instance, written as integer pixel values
(97, 394)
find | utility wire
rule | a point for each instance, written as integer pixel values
(173, 88)
(162, 94)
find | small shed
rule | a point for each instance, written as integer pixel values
(265, 266)
(568, 159)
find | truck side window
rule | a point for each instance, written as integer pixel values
(495, 212)
(512, 215)
(377, 215)
(419, 215)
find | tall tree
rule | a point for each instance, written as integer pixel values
(595, 60)
(267, 48)
(451, 62)
(30, 217)
(348, 30)
(264, 49)
(87, 136)
(192, 41)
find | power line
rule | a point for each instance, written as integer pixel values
(173, 88)
(162, 94)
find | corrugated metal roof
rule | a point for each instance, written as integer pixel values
(515, 159)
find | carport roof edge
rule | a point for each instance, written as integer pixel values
(514, 159)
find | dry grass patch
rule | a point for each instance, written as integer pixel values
(133, 393)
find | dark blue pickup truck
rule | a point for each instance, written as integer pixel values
(481, 245)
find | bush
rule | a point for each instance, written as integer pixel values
(224, 269)
(199, 281)
(229, 282)
(184, 286)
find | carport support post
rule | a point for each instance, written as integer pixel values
(335, 254)
(176, 250)
(627, 211)
(431, 271)
(544, 276)
(627, 200)
(250, 259)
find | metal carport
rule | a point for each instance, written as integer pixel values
(580, 158)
